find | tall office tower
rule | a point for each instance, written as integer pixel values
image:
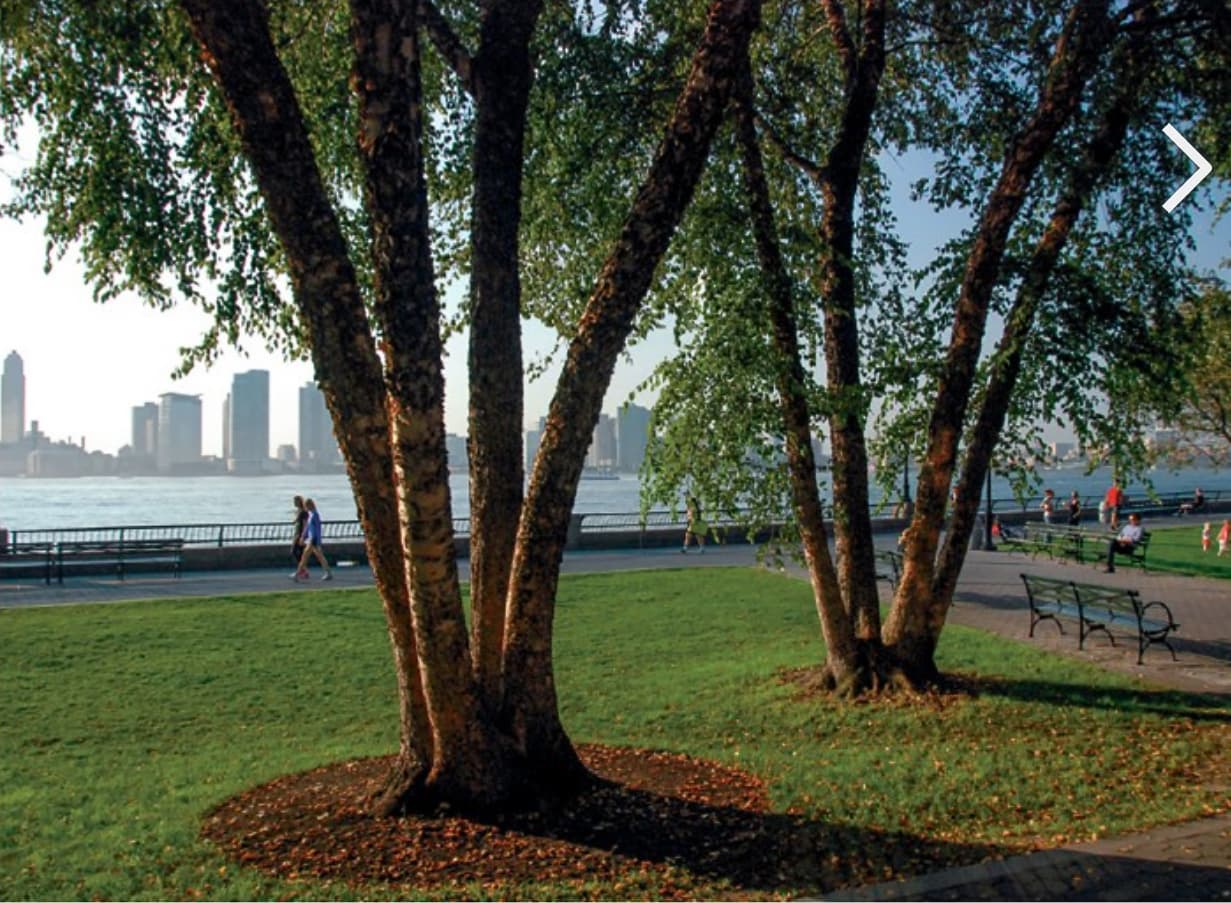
(226, 428)
(533, 438)
(12, 400)
(633, 431)
(179, 431)
(145, 429)
(603, 447)
(317, 447)
(247, 442)
(457, 453)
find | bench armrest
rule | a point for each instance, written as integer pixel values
(1171, 624)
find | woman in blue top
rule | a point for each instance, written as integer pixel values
(312, 544)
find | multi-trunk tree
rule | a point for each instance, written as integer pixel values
(211, 151)
(1027, 113)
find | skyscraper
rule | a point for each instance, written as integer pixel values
(247, 422)
(179, 432)
(603, 447)
(633, 429)
(145, 429)
(318, 450)
(12, 400)
(533, 438)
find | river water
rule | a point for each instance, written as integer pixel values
(30, 504)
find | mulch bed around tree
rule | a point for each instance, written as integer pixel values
(658, 814)
(661, 826)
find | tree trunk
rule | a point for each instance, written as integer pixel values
(1130, 68)
(235, 43)
(839, 184)
(502, 77)
(530, 704)
(914, 624)
(842, 660)
(469, 766)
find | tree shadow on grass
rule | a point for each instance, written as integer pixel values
(1205, 707)
(657, 824)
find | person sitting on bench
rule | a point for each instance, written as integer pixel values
(1196, 505)
(1124, 544)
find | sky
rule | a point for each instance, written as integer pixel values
(87, 364)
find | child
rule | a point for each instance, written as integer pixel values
(1224, 537)
(1205, 537)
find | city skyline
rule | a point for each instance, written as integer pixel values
(87, 364)
(172, 431)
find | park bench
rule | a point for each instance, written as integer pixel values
(26, 559)
(1053, 540)
(889, 567)
(120, 555)
(1136, 557)
(1074, 543)
(1099, 608)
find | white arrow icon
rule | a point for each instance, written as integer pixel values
(1203, 167)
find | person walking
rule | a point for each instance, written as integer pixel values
(697, 527)
(1048, 505)
(1125, 542)
(1205, 537)
(1074, 508)
(312, 544)
(1114, 501)
(1224, 537)
(301, 520)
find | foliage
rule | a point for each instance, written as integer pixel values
(138, 168)
(1204, 345)
(164, 709)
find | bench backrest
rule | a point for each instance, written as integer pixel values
(1049, 589)
(1111, 598)
(116, 545)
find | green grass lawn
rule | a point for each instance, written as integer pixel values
(1178, 549)
(123, 724)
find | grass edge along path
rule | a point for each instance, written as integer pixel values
(126, 723)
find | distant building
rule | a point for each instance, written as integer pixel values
(246, 433)
(179, 433)
(145, 429)
(286, 454)
(632, 434)
(534, 438)
(458, 454)
(603, 446)
(1062, 451)
(12, 400)
(226, 428)
(318, 449)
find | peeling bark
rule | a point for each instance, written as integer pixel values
(1098, 155)
(469, 765)
(914, 622)
(236, 46)
(530, 705)
(841, 658)
(839, 184)
(501, 77)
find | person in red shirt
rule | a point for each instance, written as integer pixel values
(1114, 500)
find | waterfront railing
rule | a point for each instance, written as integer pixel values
(589, 524)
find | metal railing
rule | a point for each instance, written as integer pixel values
(275, 533)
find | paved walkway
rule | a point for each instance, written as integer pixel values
(1180, 862)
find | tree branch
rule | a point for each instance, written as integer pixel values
(841, 38)
(448, 44)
